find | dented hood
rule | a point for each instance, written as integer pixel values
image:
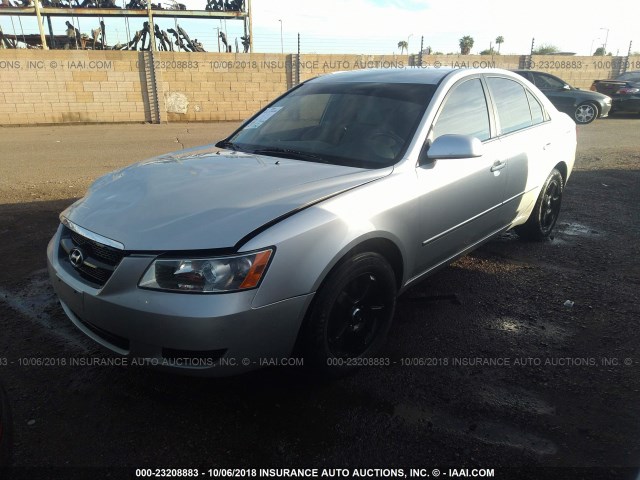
(203, 199)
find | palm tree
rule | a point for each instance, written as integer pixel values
(499, 41)
(466, 44)
(403, 45)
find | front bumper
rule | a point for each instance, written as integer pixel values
(209, 335)
(626, 103)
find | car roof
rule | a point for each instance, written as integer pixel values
(427, 75)
(522, 70)
(631, 73)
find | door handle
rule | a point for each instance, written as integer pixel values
(498, 165)
(547, 145)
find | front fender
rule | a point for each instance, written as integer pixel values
(310, 243)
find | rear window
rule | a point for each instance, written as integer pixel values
(629, 77)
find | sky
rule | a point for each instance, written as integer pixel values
(376, 26)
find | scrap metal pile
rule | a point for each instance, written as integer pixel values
(212, 5)
(169, 40)
(164, 42)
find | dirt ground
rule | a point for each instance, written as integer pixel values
(510, 376)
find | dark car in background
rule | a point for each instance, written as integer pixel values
(583, 106)
(624, 90)
(5, 430)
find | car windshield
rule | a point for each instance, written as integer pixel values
(365, 125)
(629, 77)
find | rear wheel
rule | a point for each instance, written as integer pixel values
(585, 113)
(351, 315)
(546, 210)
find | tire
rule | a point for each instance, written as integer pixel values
(5, 431)
(351, 315)
(546, 210)
(585, 113)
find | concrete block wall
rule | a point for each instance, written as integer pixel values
(61, 86)
(220, 87)
(76, 86)
(582, 71)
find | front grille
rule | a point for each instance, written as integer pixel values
(101, 252)
(100, 261)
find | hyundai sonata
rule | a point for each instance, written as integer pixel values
(299, 230)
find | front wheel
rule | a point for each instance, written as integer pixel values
(351, 315)
(585, 113)
(546, 210)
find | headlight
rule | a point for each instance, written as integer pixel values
(207, 275)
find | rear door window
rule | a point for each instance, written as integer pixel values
(512, 104)
(537, 112)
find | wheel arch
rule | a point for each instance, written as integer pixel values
(384, 247)
(564, 171)
(380, 245)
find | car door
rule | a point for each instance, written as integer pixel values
(556, 90)
(461, 198)
(525, 141)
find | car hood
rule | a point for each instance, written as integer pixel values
(204, 199)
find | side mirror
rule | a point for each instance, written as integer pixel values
(454, 146)
(566, 87)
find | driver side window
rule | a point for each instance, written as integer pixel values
(547, 82)
(464, 112)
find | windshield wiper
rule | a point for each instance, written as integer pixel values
(228, 145)
(289, 153)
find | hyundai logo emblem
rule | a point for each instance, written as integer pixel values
(76, 257)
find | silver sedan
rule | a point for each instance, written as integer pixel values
(298, 231)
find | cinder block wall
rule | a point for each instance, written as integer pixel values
(75, 86)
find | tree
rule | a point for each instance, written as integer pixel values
(403, 45)
(489, 51)
(499, 41)
(466, 44)
(601, 52)
(546, 49)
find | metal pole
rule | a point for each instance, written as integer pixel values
(43, 37)
(533, 42)
(606, 40)
(73, 22)
(421, 49)
(152, 36)
(281, 44)
(225, 31)
(51, 37)
(250, 26)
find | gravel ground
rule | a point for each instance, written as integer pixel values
(509, 376)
